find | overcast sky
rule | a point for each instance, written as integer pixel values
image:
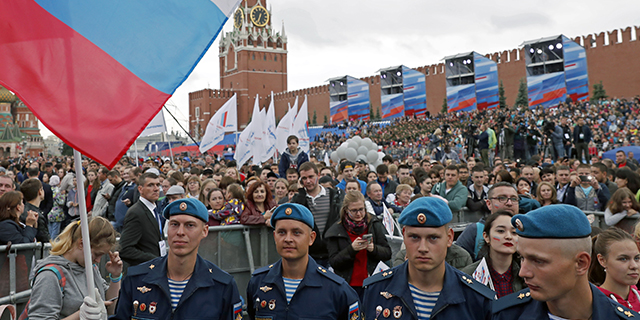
(331, 38)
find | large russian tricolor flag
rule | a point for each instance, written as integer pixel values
(96, 72)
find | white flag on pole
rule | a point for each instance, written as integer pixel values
(270, 130)
(482, 274)
(156, 125)
(260, 141)
(387, 220)
(224, 120)
(300, 126)
(285, 126)
(246, 148)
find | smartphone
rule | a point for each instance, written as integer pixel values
(585, 178)
(113, 299)
(367, 237)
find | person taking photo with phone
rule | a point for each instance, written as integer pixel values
(585, 192)
(356, 242)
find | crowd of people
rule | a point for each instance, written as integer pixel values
(534, 185)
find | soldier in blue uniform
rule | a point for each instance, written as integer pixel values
(425, 286)
(296, 287)
(555, 246)
(181, 285)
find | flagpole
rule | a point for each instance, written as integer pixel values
(135, 146)
(84, 224)
(181, 127)
(171, 152)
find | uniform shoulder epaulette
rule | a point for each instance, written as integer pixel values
(218, 274)
(477, 286)
(262, 270)
(336, 278)
(379, 277)
(511, 300)
(622, 311)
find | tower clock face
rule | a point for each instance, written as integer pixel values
(259, 16)
(238, 18)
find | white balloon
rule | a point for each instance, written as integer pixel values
(367, 140)
(362, 150)
(353, 144)
(372, 156)
(351, 154)
(380, 155)
(357, 139)
(334, 157)
(342, 152)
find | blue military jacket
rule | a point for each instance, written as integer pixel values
(521, 306)
(211, 293)
(320, 295)
(461, 297)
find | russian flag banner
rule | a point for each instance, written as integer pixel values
(96, 72)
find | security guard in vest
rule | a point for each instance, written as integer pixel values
(555, 245)
(296, 287)
(181, 285)
(425, 286)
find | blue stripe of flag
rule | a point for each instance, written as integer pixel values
(156, 40)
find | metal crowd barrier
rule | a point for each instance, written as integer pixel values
(237, 249)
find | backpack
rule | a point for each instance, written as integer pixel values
(62, 281)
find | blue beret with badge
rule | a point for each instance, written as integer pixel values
(292, 211)
(190, 206)
(560, 221)
(426, 212)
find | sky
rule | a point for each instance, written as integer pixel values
(331, 38)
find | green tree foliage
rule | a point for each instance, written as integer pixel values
(326, 120)
(599, 92)
(445, 107)
(523, 95)
(503, 99)
(66, 150)
(314, 121)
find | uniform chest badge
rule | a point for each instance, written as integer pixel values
(152, 307)
(143, 307)
(144, 289)
(386, 313)
(265, 289)
(385, 294)
(263, 303)
(272, 304)
(397, 312)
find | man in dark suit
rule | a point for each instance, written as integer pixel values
(141, 239)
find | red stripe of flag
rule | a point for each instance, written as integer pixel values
(83, 95)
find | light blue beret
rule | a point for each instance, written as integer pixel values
(292, 211)
(426, 212)
(561, 221)
(190, 206)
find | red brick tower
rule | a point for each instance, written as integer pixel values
(253, 57)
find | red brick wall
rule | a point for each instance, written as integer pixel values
(616, 64)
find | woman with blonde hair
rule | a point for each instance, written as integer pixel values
(622, 210)
(546, 194)
(48, 299)
(207, 186)
(357, 242)
(11, 230)
(402, 197)
(193, 187)
(281, 190)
